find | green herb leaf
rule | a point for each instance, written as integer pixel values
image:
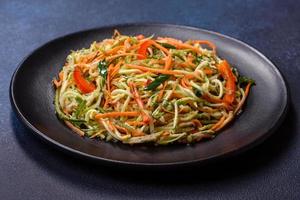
(245, 80)
(235, 71)
(198, 93)
(157, 81)
(102, 66)
(81, 106)
(199, 59)
(78, 100)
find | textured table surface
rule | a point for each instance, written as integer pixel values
(31, 169)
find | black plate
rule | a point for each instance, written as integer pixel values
(32, 97)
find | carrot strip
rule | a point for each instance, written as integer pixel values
(137, 98)
(186, 82)
(161, 93)
(137, 133)
(111, 126)
(108, 85)
(140, 37)
(189, 76)
(160, 61)
(114, 50)
(247, 90)
(167, 111)
(183, 83)
(183, 64)
(190, 60)
(88, 58)
(219, 123)
(136, 95)
(197, 123)
(133, 132)
(142, 51)
(58, 82)
(160, 47)
(135, 123)
(208, 71)
(187, 46)
(74, 128)
(208, 43)
(190, 63)
(180, 45)
(161, 71)
(176, 95)
(116, 69)
(230, 86)
(168, 62)
(169, 39)
(122, 129)
(208, 110)
(106, 102)
(211, 99)
(173, 89)
(61, 75)
(225, 122)
(117, 114)
(133, 47)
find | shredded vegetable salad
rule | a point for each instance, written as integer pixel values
(138, 89)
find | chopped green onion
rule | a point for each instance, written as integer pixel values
(158, 80)
(81, 106)
(102, 66)
(166, 45)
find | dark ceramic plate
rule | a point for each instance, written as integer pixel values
(32, 97)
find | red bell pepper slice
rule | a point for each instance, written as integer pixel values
(83, 85)
(142, 51)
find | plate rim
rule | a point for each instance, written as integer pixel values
(215, 157)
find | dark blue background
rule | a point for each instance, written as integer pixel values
(31, 169)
